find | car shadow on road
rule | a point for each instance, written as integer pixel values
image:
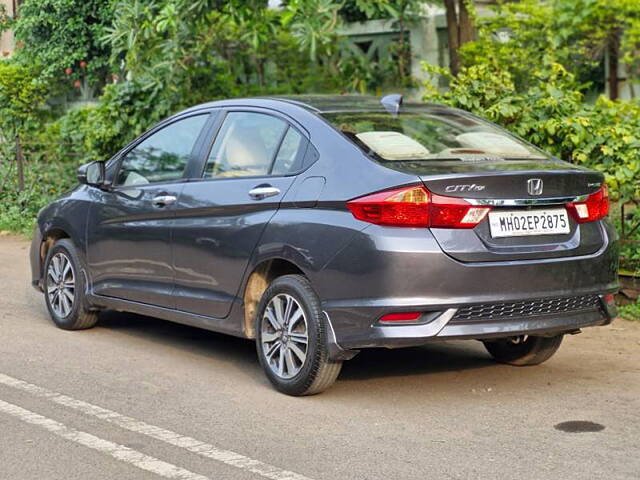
(194, 340)
(369, 364)
(436, 357)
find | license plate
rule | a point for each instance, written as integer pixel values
(531, 222)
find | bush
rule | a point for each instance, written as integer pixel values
(630, 312)
(44, 181)
(99, 131)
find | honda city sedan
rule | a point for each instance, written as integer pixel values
(320, 226)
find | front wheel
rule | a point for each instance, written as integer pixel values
(291, 338)
(65, 287)
(524, 349)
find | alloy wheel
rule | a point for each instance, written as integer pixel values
(61, 285)
(285, 336)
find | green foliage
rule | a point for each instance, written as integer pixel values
(21, 97)
(573, 33)
(629, 228)
(313, 24)
(45, 180)
(630, 312)
(127, 109)
(361, 10)
(211, 50)
(56, 35)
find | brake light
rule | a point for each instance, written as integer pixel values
(416, 207)
(595, 207)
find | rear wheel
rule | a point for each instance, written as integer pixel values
(65, 287)
(291, 338)
(524, 349)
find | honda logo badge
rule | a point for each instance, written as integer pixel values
(534, 186)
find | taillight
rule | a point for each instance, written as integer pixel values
(416, 207)
(595, 207)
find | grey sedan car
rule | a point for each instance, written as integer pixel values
(319, 226)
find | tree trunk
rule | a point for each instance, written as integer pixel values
(20, 164)
(465, 27)
(452, 33)
(402, 50)
(260, 71)
(613, 66)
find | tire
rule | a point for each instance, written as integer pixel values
(524, 350)
(284, 367)
(70, 310)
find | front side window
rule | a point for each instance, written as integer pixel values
(245, 146)
(163, 156)
(430, 134)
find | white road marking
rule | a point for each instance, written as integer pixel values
(119, 452)
(172, 438)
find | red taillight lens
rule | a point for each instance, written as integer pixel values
(595, 207)
(407, 207)
(400, 317)
(451, 212)
(416, 207)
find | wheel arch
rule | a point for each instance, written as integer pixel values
(258, 281)
(49, 237)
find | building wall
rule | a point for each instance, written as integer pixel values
(6, 39)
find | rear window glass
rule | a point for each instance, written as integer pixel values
(430, 135)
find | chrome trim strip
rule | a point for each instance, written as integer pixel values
(525, 201)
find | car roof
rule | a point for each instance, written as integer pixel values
(334, 103)
(321, 104)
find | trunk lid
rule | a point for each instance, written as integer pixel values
(509, 188)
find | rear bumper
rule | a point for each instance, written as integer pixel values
(446, 326)
(410, 273)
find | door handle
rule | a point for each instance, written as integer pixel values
(162, 201)
(259, 193)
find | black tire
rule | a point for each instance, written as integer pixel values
(80, 315)
(522, 351)
(317, 372)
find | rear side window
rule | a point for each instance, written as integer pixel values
(163, 156)
(245, 146)
(287, 159)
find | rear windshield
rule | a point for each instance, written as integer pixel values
(430, 135)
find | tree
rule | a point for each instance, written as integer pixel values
(62, 39)
(601, 29)
(21, 95)
(460, 29)
(578, 34)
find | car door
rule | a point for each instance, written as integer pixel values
(129, 235)
(221, 216)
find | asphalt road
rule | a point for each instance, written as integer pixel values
(141, 398)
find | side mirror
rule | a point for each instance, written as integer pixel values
(92, 174)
